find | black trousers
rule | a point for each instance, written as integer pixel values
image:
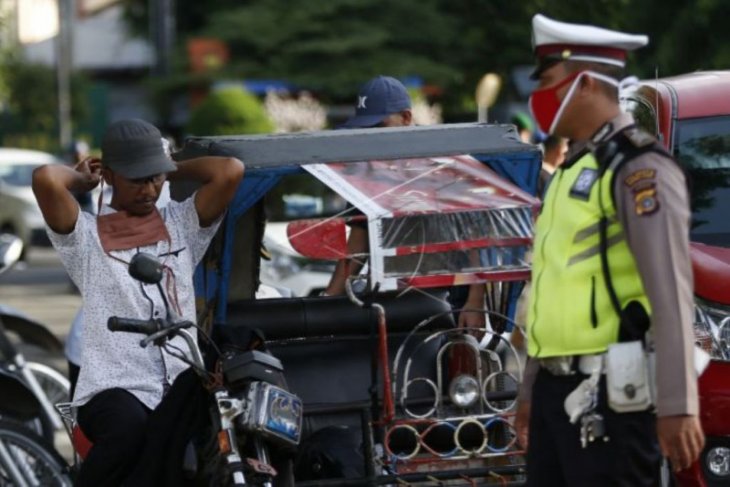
(630, 457)
(116, 423)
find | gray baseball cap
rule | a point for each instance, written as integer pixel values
(136, 149)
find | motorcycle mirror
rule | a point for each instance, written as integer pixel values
(145, 268)
(11, 248)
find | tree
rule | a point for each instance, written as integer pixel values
(31, 100)
(332, 47)
(230, 111)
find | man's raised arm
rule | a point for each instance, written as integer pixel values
(52, 186)
(219, 177)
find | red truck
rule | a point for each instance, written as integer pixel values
(690, 114)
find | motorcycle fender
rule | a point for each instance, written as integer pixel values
(17, 401)
(29, 331)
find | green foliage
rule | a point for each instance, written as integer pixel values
(229, 111)
(332, 47)
(191, 16)
(32, 96)
(31, 99)
(41, 141)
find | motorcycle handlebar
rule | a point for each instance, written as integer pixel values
(157, 331)
(146, 327)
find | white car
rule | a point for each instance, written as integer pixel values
(19, 212)
(289, 271)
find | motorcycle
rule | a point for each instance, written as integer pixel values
(26, 458)
(251, 413)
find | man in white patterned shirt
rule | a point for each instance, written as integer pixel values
(120, 383)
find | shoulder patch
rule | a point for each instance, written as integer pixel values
(639, 138)
(640, 175)
(646, 202)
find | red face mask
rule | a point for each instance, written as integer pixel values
(545, 104)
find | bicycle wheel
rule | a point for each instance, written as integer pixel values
(53, 383)
(26, 460)
(56, 388)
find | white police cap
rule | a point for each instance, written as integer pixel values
(555, 41)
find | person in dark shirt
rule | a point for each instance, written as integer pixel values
(384, 102)
(554, 150)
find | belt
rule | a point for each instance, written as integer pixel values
(572, 364)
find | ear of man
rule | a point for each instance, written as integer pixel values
(108, 176)
(407, 117)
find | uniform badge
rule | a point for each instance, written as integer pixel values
(581, 188)
(638, 176)
(646, 202)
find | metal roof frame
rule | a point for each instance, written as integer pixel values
(279, 151)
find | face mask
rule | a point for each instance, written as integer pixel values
(547, 108)
(122, 231)
(545, 104)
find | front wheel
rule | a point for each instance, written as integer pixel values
(25, 459)
(54, 384)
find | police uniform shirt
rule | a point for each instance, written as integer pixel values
(652, 205)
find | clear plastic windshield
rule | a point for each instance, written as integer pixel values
(435, 221)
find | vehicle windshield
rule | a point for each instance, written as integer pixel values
(703, 148)
(17, 174)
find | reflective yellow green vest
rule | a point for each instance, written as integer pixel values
(570, 310)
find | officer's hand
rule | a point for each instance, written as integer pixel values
(681, 439)
(522, 423)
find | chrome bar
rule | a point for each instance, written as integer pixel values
(38, 392)
(8, 463)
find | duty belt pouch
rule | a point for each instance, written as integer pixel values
(627, 377)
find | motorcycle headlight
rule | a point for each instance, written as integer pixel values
(717, 461)
(464, 391)
(712, 329)
(273, 412)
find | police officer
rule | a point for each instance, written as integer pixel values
(611, 280)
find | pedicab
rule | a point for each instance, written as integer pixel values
(394, 392)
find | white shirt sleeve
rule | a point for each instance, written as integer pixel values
(70, 247)
(184, 218)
